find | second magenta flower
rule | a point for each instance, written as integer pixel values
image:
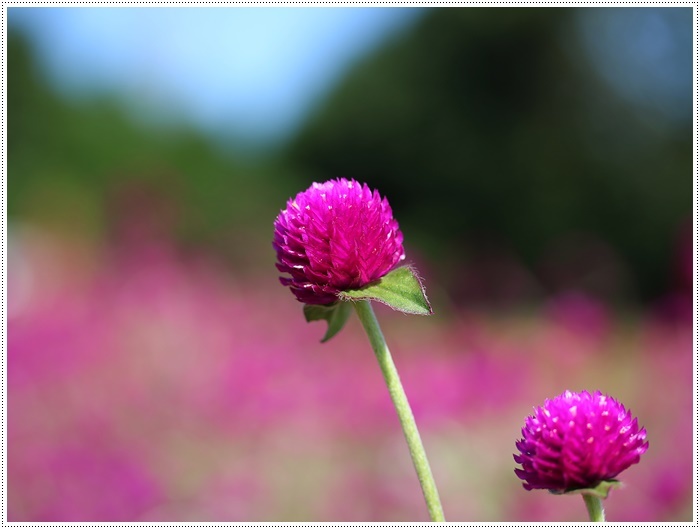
(577, 440)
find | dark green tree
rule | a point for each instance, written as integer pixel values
(493, 133)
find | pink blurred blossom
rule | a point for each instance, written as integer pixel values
(147, 384)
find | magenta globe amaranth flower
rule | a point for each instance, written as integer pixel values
(335, 236)
(577, 441)
(340, 246)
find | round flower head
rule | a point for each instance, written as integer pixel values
(335, 236)
(576, 441)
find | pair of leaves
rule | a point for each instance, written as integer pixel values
(401, 289)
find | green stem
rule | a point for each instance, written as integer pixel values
(398, 397)
(595, 507)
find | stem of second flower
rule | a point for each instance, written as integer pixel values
(594, 505)
(403, 409)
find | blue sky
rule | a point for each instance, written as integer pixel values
(253, 71)
(645, 54)
(257, 72)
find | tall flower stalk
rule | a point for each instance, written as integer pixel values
(403, 409)
(340, 247)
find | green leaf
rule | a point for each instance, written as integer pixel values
(335, 314)
(601, 490)
(401, 289)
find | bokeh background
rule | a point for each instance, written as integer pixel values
(539, 162)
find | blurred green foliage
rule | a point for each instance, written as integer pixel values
(508, 161)
(493, 134)
(86, 166)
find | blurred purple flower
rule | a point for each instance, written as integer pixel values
(577, 440)
(93, 352)
(335, 236)
(581, 314)
(79, 480)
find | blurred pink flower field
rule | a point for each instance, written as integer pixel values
(147, 386)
